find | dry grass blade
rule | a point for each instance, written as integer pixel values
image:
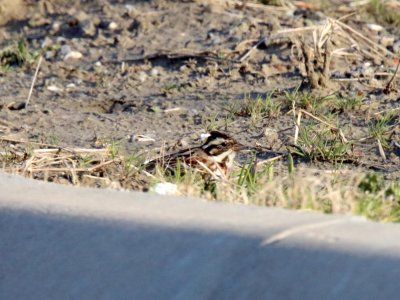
(211, 173)
(270, 160)
(247, 54)
(104, 151)
(387, 110)
(366, 40)
(389, 87)
(297, 128)
(33, 81)
(380, 148)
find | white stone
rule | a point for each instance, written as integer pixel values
(142, 76)
(73, 55)
(166, 188)
(65, 49)
(375, 27)
(54, 88)
(112, 26)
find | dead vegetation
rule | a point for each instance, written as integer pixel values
(256, 182)
(316, 95)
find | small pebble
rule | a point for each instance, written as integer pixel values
(56, 27)
(61, 40)
(47, 42)
(166, 188)
(271, 134)
(154, 72)
(112, 26)
(49, 55)
(65, 49)
(54, 88)
(374, 27)
(396, 47)
(130, 8)
(73, 55)
(88, 27)
(387, 41)
(142, 76)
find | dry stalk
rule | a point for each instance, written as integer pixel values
(266, 161)
(389, 86)
(380, 148)
(368, 41)
(386, 110)
(317, 58)
(33, 81)
(297, 128)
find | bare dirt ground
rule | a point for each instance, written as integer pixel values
(147, 74)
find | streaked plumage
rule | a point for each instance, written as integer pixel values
(216, 155)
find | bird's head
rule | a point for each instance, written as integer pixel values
(220, 145)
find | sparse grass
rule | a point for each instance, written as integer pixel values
(386, 12)
(380, 201)
(380, 127)
(347, 103)
(342, 192)
(308, 101)
(169, 87)
(257, 109)
(51, 138)
(16, 54)
(211, 122)
(321, 144)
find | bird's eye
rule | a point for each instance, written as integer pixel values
(223, 144)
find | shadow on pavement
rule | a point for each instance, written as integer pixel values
(59, 257)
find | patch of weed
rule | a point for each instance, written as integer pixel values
(383, 12)
(211, 122)
(378, 201)
(16, 54)
(347, 103)
(321, 144)
(257, 109)
(307, 101)
(380, 127)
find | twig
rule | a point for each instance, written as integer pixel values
(173, 109)
(71, 150)
(386, 110)
(247, 54)
(262, 162)
(91, 169)
(388, 87)
(33, 81)
(209, 171)
(369, 41)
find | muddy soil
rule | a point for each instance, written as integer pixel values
(150, 73)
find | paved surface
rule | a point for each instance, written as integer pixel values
(60, 242)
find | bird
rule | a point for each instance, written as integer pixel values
(215, 157)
